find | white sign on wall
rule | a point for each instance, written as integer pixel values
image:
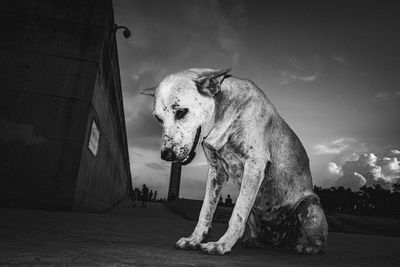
(94, 139)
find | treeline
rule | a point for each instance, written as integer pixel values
(370, 201)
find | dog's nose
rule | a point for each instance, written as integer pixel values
(168, 154)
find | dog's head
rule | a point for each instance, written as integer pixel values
(184, 104)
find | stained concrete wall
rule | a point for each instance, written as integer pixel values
(51, 57)
(103, 178)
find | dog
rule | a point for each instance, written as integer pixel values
(244, 139)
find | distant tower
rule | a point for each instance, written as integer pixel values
(174, 181)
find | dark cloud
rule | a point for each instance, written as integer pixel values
(168, 38)
(171, 37)
(157, 166)
(141, 79)
(144, 130)
(143, 124)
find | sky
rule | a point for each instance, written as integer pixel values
(332, 70)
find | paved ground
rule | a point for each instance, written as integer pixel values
(145, 237)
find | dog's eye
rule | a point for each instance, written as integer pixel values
(159, 120)
(180, 113)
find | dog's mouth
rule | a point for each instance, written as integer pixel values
(190, 156)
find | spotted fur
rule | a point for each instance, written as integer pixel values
(244, 140)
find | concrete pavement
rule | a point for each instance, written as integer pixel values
(145, 237)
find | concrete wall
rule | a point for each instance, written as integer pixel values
(103, 178)
(50, 54)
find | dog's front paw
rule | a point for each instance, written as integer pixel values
(214, 248)
(188, 243)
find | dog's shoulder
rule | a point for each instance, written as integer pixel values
(240, 85)
(244, 90)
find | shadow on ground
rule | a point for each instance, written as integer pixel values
(343, 223)
(145, 237)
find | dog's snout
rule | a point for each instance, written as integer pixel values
(168, 154)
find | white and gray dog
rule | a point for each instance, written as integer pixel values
(245, 140)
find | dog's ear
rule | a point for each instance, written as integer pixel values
(209, 82)
(149, 91)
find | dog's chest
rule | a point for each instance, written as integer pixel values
(232, 164)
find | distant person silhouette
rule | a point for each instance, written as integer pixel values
(137, 193)
(133, 196)
(151, 196)
(155, 195)
(131, 193)
(228, 201)
(220, 202)
(145, 195)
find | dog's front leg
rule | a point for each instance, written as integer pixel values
(253, 176)
(216, 179)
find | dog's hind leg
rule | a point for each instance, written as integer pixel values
(312, 227)
(251, 233)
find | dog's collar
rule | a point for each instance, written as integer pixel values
(192, 152)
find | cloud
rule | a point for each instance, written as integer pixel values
(287, 77)
(339, 146)
(303, 70)
(356, 163)
(335, 169)
(383, 95)
(395, 152)
(368, 169)
(143, 123)
(235, 59)
(157, 166)
(340, 59)
(387, 95)
(352, 180)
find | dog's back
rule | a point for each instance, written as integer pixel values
(285, 201)
(288, 177)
